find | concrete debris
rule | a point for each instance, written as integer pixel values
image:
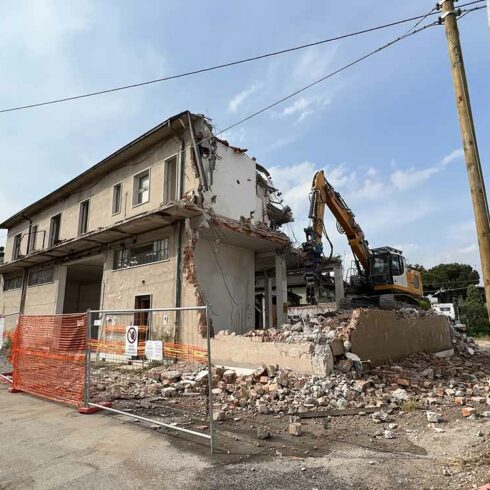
(400, 394)
(421, 380)
(219, 416)
(389, 434)
(380, 416)
(433, 417)
(295, 428)
(263, 433)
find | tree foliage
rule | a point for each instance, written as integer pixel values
(474, 313)
(447, 276)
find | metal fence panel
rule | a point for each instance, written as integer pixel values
(137, 365)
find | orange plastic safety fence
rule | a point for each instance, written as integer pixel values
(186, 352)
(49, 357)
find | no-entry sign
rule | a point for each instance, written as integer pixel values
(131, 340)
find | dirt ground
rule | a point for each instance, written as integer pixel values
(332, 453)
(45, 445)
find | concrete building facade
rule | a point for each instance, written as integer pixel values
(178, 217)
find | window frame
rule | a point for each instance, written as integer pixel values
(51, 242)
(81, 231)
(16, 288)
(177, 158)
(35, 270)
(136, 179)
(165, 247)
(33, 238)
(120, 185)
(16, 246)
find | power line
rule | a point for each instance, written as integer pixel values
(434, 8)
(326, 77)
(420, 18)
(467, 11)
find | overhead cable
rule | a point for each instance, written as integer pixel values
(420, 18)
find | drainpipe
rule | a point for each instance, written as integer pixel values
(197, 154)
(180, 238)
(23, 291)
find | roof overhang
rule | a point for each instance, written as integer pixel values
(95, 241)
(161, 132)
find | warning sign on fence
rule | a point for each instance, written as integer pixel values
(131, 340)
(154, 350)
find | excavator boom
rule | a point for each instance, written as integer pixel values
(382, 275)
(324, 194)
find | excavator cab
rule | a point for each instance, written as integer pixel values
(390, 274)
(386, 264)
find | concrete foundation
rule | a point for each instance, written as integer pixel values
(383, 336)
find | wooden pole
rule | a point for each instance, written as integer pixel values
(472, 157)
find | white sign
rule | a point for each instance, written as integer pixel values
(154, 350)
(97, 323)
(131, 340)
(2, 319)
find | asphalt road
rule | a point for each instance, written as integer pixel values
(44, 445)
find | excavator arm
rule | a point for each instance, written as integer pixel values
(323, 194)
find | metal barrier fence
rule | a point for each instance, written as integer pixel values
(153, 365)
(7, 327)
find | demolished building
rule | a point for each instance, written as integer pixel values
(177, 217)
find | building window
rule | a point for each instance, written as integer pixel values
(141, 254)
(33, 239)
(141, 188)
(83, 218)
(11, 283)
(116, 199)
(170, 183)
(54, 230)
(16, 249)
(40, 276)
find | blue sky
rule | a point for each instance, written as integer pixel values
(385, 131)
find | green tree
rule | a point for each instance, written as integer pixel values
(447, 276)
(474, 313)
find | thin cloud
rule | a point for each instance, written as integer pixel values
(305, 106)
(236, 102)
(407, 179)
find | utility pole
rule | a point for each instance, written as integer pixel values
(472, 157)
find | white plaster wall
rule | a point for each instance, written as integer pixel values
(42, 299)
(232, 278)
(233, 193)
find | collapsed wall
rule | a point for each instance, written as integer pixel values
(315, 344)
(384, 336)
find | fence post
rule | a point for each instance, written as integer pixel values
(210, 382)
(86, 393)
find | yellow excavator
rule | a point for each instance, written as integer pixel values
(381, 276)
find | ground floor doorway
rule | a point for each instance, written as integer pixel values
(83, 285)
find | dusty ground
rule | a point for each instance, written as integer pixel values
(45, 445)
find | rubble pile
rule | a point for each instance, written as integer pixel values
(319, 328)
(120, 382)
(420, 381)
